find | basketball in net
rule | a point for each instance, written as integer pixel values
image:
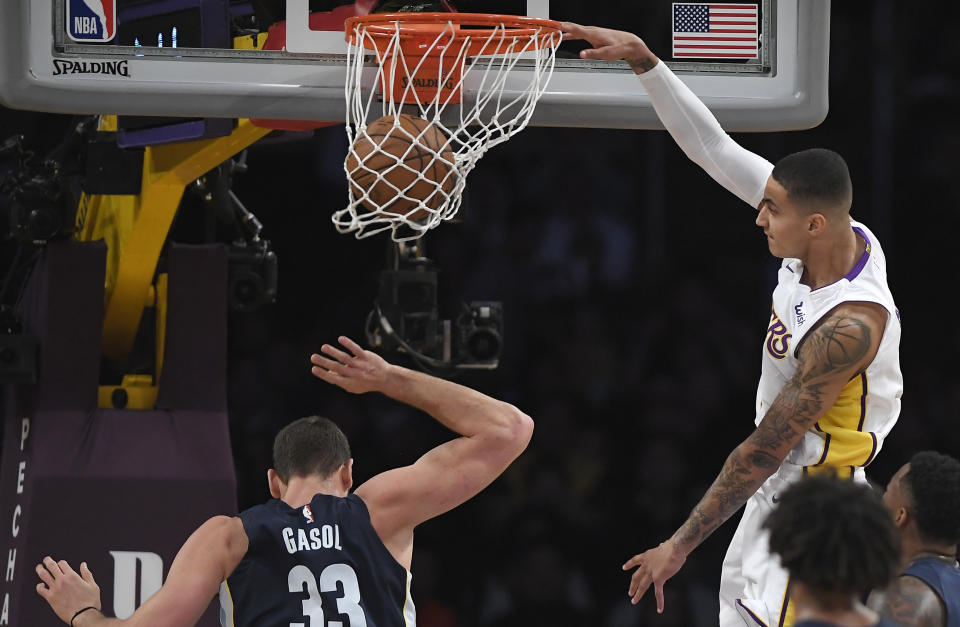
(471, 81)
(403, 166)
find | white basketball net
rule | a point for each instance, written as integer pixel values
(498, 100)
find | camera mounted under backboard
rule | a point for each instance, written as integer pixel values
(406, 318)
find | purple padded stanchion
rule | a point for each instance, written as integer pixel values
(119, 489)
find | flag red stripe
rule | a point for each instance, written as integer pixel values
(680, 45)
(689, 38)
(736, 23)
(712, 14)
(714, 54)
(739, 6)
(718, 30)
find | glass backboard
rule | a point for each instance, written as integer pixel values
(761, 66)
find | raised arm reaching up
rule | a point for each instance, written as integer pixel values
(492, 434)
(687, 119)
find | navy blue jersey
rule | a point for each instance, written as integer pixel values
(321, 565)
(945, 580)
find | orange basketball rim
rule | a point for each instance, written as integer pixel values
(423, 54)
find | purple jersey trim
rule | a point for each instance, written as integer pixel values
(873, 450)
(863, 401)
(752, 615)
(862, 262)
(786, 603)
(826, 447)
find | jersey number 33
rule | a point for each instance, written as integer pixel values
(301, 580)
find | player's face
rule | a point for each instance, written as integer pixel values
(784, 224)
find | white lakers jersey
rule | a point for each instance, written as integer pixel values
(851, 433)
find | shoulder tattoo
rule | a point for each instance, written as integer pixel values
(909, 601)
(840, 343)
(835, 347)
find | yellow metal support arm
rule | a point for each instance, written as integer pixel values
(167, 170)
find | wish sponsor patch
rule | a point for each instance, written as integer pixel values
(91, 20)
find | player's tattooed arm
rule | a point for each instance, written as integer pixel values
(641, 64)
(910, 602)
(842, 345)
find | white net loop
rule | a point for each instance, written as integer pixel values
(450, 95)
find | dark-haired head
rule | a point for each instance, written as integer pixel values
(309, 446)
(834, 536)
(816, 180)
(928, 488)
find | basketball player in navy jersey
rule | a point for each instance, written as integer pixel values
(924, 496)
(833, 559)
(830, 382)
(318, 553)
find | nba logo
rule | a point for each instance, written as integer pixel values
(91, 20)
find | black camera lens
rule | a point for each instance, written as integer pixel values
(246, 291)
(252, 277)
(43, 223)
(483, 344)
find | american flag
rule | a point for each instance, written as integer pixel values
(715, 31)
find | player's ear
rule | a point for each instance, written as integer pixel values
(346, 474)
(901, 517)
(274, 481)
(816, 223)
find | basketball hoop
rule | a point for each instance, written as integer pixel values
(475, 78)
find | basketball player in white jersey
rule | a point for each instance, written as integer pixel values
(830, 382)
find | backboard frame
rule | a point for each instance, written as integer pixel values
(789, 91)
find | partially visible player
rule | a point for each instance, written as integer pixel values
(317, 553)
(924, 496)
(837, 541)
(830, 382)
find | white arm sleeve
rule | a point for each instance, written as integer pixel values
(702, 139)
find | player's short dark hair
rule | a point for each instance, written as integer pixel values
(933, 487)
(815, 178)
(311, 445)
(834, 535)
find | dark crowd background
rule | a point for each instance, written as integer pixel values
(636, 295)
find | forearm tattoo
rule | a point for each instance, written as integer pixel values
(910, 602)
(834, 349)
(643, 64)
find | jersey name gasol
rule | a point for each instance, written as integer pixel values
(321, 537)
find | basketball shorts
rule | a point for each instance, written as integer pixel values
(754, 588)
